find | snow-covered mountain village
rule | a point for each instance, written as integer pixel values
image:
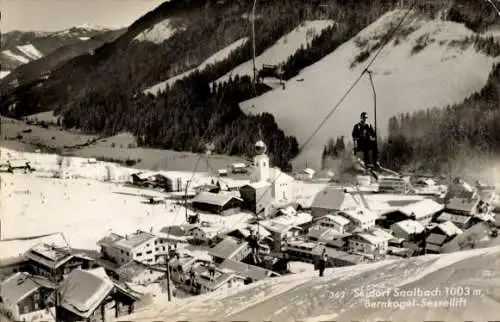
(251, 160)
(99, 237)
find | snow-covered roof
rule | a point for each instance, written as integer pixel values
(462, 204)
(213, 198)
(449, 228)
(128, 242)
(308, 171)
(258, 185)
(276, 175)
(410, 226)
(422, 208)
(462, 219)
(361, 216)
(322, 233)
(48, 255)
(382, 234)
(342, 221)
(239, 165)
(15, 247)
(256, 273)
(17, 286)
(329, 198)
(84, 290)
(227, 248)
(297, 219)
(372, 239)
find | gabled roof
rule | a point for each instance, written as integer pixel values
(277, 227)
(127, 243)
(83, 291)
(256, 273)
(449, 228)
(382, 234)
(322, 233)
(422, 208)
(296, 219)
(342, 221)
(227, 248)
(463, 204)
(435, 239)
(14, 247)
(49, 256)
(17, 287)
(461, 219)
(371, 239)
(216, 199)
(362, 216)
(329, 198)
(409, 226)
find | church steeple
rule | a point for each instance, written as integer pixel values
(261, 161)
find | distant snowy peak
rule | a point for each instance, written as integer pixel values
(217, 57)
(159, 32)
(90, 27)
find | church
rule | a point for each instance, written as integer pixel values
(268, 185)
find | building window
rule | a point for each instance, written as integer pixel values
(147, 245)
(149, 252)
(138, 254)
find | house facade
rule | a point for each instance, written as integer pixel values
(361, 219)
(338, 223)
(224, 205)
(367, 244)
(407, 229)
(230, 248)
(140, 246)
(256, 196)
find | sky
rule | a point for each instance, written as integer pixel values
(53, 15)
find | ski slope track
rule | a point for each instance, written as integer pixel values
(285, 47)
(440, 74)
(217, 57)
(337, 296)
(15, 57)
(30, 51)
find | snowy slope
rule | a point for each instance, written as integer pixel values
(4, 73)
(15, 57)
(30, 51)
(283, 48)
(158, 33)
(218, 56)
(442, 73)
(338, 296)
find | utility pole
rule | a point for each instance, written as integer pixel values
(167, 264)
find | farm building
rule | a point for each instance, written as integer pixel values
(331, 200)
(422, 211)
(463, 206)
(229, 248)
(217, 203)
(256, 196)
(407, 229)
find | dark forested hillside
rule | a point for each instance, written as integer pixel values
(102, 91)
(435, 138)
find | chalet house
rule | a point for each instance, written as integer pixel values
(221, 280)
(299, 219)
(306, 174)
(243, 233)
(24, 297)
(256, 196)
(461, 221)
(303, 251)
(422, 211)
(440, 235)
(215, 203)
(138, 273)
(361, 219)
(331, 200)
(338, 223)
(463, 206)
(281, 232)
(90, 296)
(409, 230)
(206, 234)
(140, 246)
(321, 234)
(52, 262)
(367, 243)
(251, 273)
(229, 248)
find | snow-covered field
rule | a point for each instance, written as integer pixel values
(13, 56)
(30, 51)
(158, 33)
(218, 56)
(286, 46)
(440, 74)
(338, 295)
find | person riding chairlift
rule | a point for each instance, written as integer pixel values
(365, 140)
